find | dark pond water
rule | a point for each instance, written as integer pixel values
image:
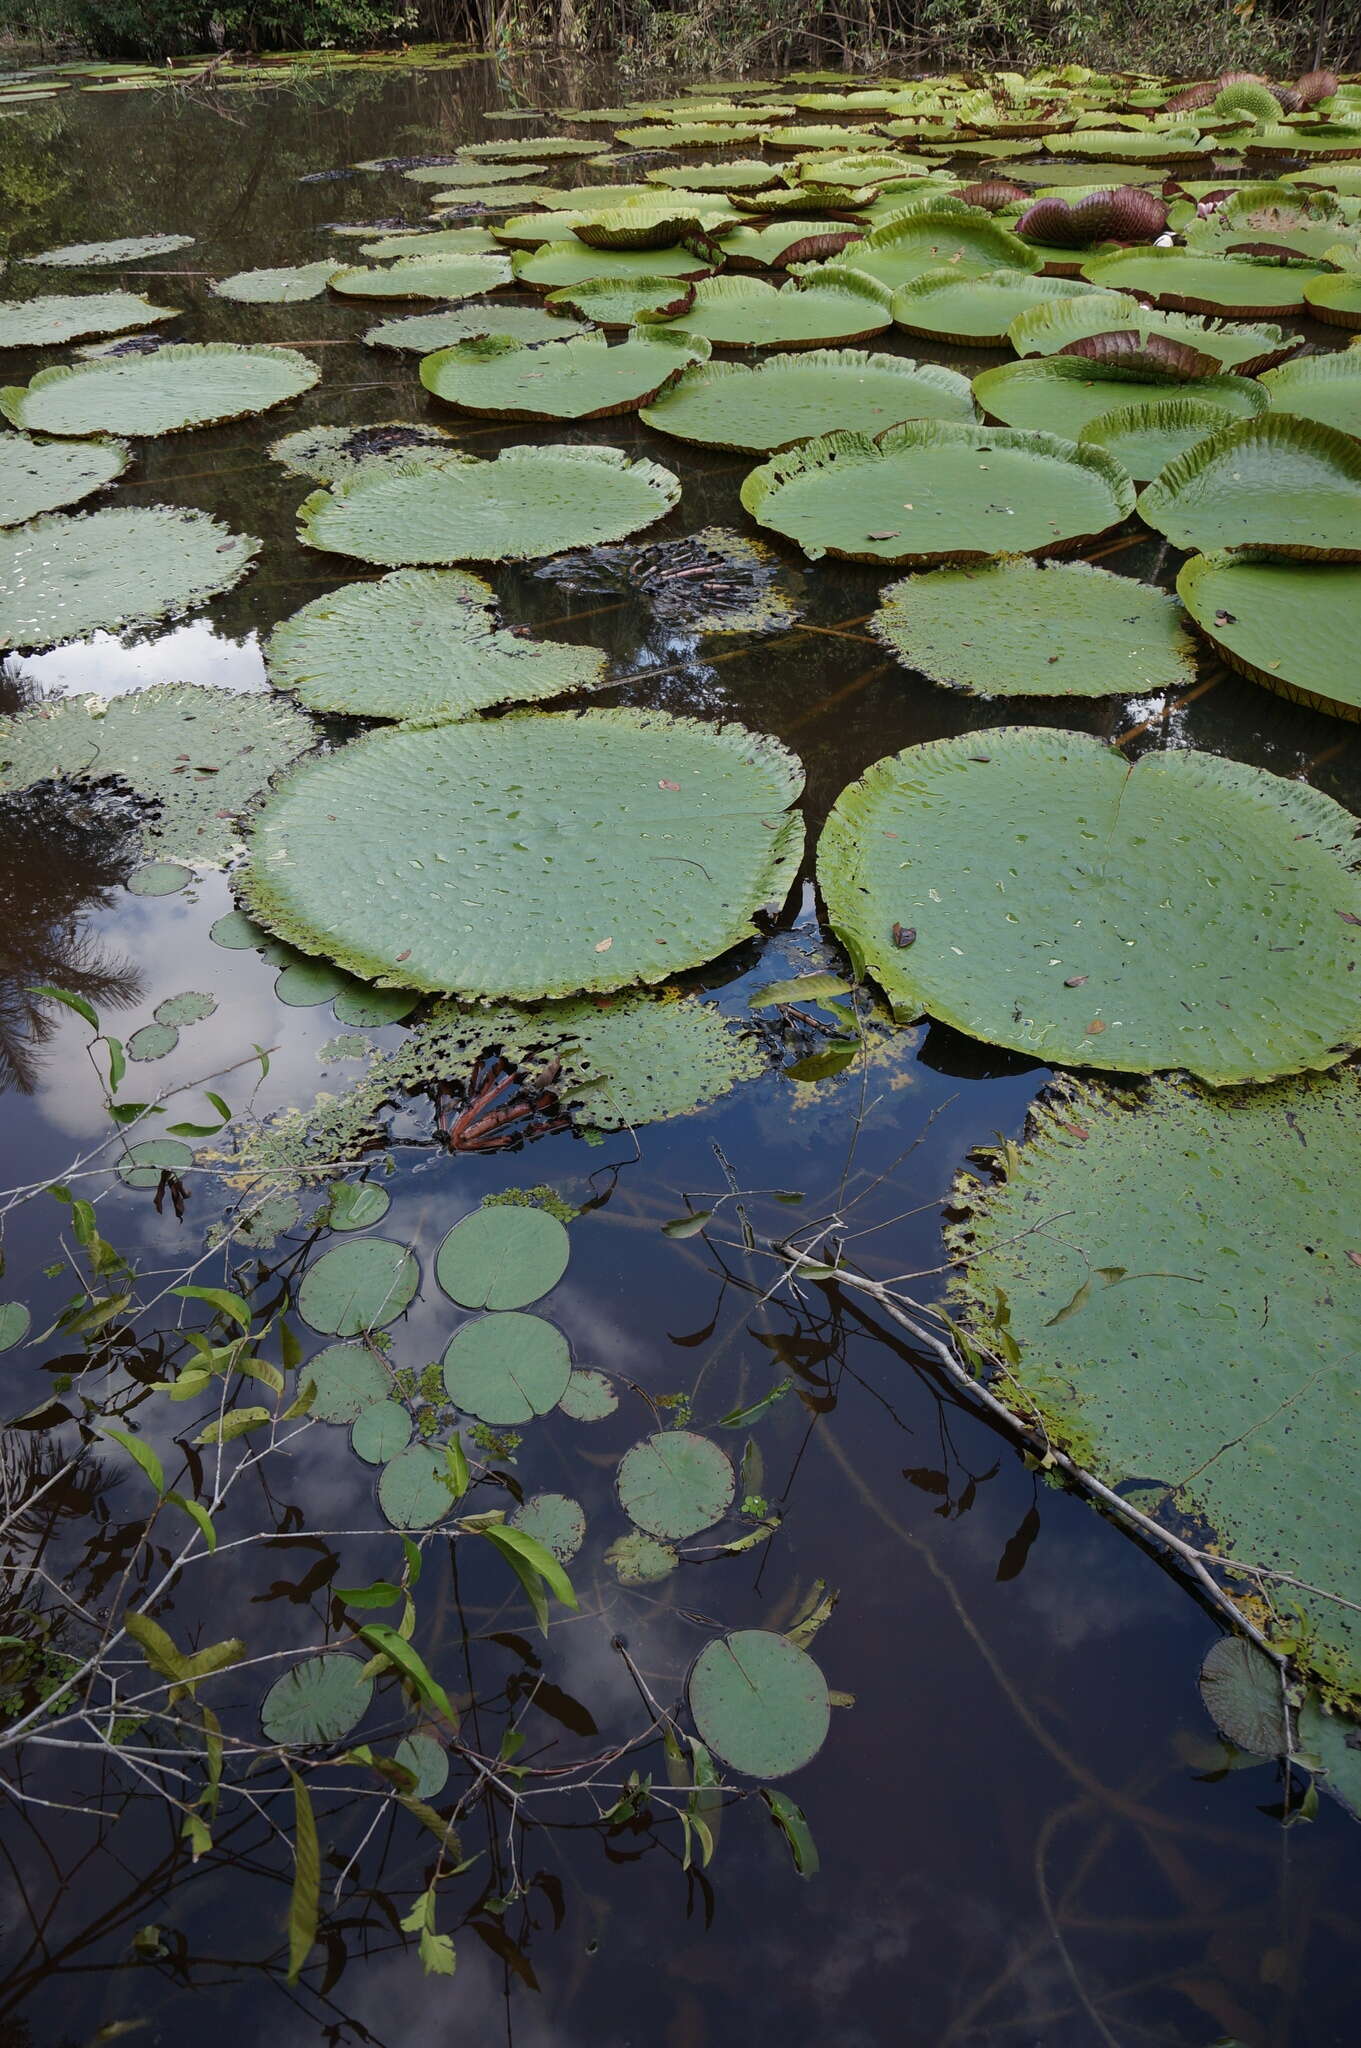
(1023, 1833)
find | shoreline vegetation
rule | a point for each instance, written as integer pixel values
(1278, 37)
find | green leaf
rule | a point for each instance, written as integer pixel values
(140, 1452)
(790, 1820)
(687, 1226)
(118, 1065)
(737, 1417)
(412, 1666)
(222, 1299)
(156, 1646)
(236, 1422)
(71, 1002)
(128, 1112)
(455, 1457)
(304, 1906)
(196, 1513)
(535, 1566)
(381, 1593)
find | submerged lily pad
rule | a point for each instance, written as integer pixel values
(526, 502)
(555, 1520)
(45, 322)
(1016, 629)
(420, 646)
(14, 1324)
(130, 249)
(1243, 1693)
(450, 276)
(64, 577)
(317, 1701)
(234, 742)
(1289, 625)
(581, 378)
(639, 1560)
(186, 384)
(749, 312)
(426, 332)
(326, 454)
(282, 286)
(428, 1762)
(502, 1258)
(674, 1484)
(506, 1368)
(1278, 482)
(938, 491)
(345, 1380)
(633, 844)
(142, 1166)
(759, 1703)
(1064, 394)
(1061, 903)
(358, 1287)
(1254, 1438)
(39, 476)
(789, 398)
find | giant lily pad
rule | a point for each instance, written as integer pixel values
(1277, 482)
(789, 398)
(1323, 388)
(759, 1702)
(639, 227)
(581, 378)
(1213, 1264)
(1161, 426)
(130, 249)
(43, 322)
(425, 332)
(674, 1484)
(938, 491)
(1044, 330)
(69, 575)
(502, 1258)
(38, 476)
(527, 502)
(1063, 904)
(775, 245)
(1014, 629)
(1062, 394)
(1184, 280)
(619, 301)
(358, 1287)
(557, 265)
(827, 306)
(1119, 145)
(743, 174)
(688, 135)
(188, 384)
(420, 646)
(328, 453)
(283, 286)
(424, 277)
(1335, 297)
(1289, 625)
(507, 1367)
(317, 1701)
(975, 310)
(438, 242)
(453, 175)
(968, 240)
(633, 845)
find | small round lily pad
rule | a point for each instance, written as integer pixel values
(502, 1258)
(414, 1489)
(306, 984)
(190, 1008)
(589, 1397)
(153, 1042)
(674, 1484)
(346, 1380)
(142, 1165)
(358, 1287)
(319, 1700)
(507, 1368)
(1242, 1690)
(759, 1703)
(557, 1521)
(373, 1007)
(639, 1560)
(41, 476)
(159, 878)
(354, 1205)
(428, 1762)
(379, 1431)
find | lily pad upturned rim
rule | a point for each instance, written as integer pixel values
(666, 415)
(1181, 412)
(762, 483)
(864, 305)
(1047, 329)
(1304, 373)
(662, 354)
(1192, 296)
(1158, 501)
(1240, 397)
(1214, 620)
(912, 298)
(17, 400)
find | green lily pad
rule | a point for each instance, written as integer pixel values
(177, 387)
(235, 741)
(374, 1007)
(1289, 625)
(1322, 388)
(40, 476)
(789, 398)
(415, 1490)
(916, 240)
(639, 1560)
(689, 135)
(55, 318)
(237, 933)
(1016, 629)
(1243, 1694)
(1179, 1252)
(1144, 438)
(419, 646)
(152, 1042)
(493, 196)
(782, 243)
(502, 1258)
(355, 1205)
(1119, 145)
(1183, 280)
(742, 174)
(130, 249)
(556, 1521)
(1335, 297)
(1044, 330)
(506, 1368)
(525, 503)
(830, 305)
(557, 265)
(938, 491)
(426, 332)
(141, 1166)
(65, 576)
(424, 277)
(619, 301)
(674, 1484)
(159, 878)
(306, 984)
(1278, 482)
(428, 1762)
(581, 378)
(326, 454)
(380, 1431)
(437, 242)
(1061, 904)
(190, 1008)
(646, 227)
(660, 837)
(317, 1701)
(358, 1287)
(589, 1397)
(450, 176)
(282, 286)
(1063, 394)
(346, 1379)
(527, 146)
(975, 310)
(14, 1324)
(759, 1703)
